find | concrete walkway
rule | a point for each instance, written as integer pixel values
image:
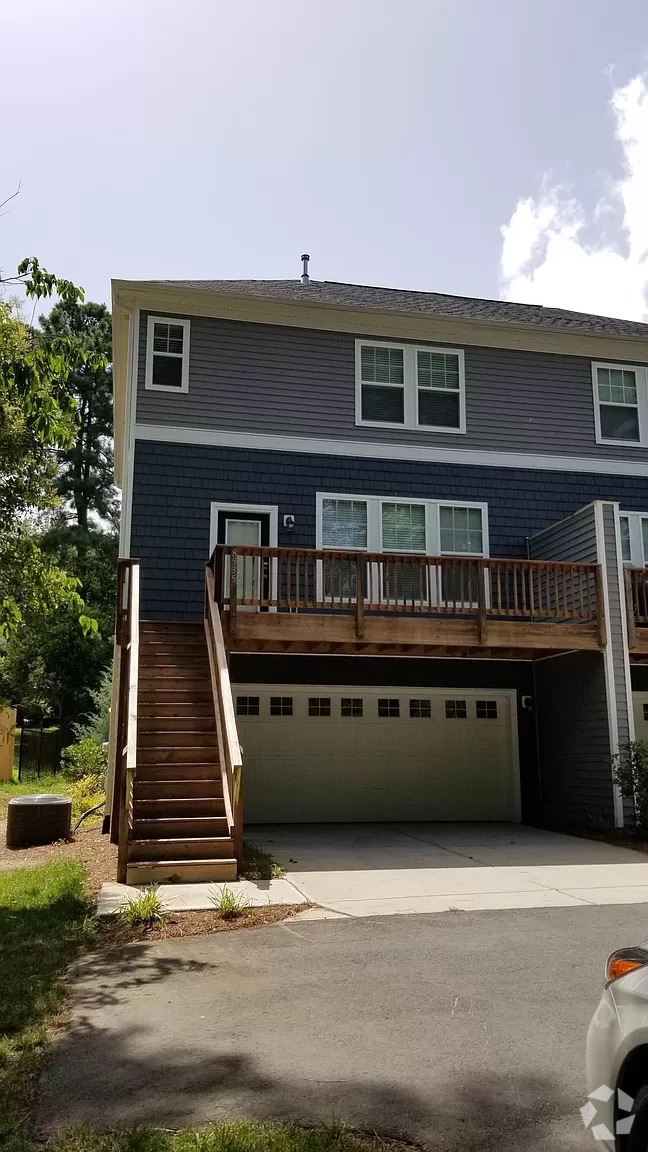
(381, 869)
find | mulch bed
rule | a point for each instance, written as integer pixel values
(177, 924)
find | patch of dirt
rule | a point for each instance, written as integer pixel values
(88, 845)
(202, 923)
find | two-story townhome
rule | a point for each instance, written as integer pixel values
(383, 560)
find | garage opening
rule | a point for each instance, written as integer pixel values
(316, 753)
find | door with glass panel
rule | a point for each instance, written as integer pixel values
(252, 572)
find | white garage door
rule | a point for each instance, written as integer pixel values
(640, 704)
(326, 754)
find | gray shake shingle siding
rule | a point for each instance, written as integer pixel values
(285, 381)
(574, 740)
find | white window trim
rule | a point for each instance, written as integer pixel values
(374, 522)
(637, 557)
(148, 375)
(641, 376)
(410, 388)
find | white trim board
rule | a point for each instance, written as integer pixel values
(271, 510)
(217, 438)
(608, 660)
(624, 624)
(129, 445)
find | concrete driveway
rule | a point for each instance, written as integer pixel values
(463, 1031)
(382, 869)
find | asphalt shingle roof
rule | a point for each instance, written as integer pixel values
(359, 296)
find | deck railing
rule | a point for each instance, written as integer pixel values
(125, 743)
(636, 588)
(250, 578)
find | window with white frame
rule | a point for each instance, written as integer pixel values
(423, 527)
(387, 524)
(405, 386)
(167, 354)
(634, 539)
(620, 404)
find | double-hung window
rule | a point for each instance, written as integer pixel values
(403, 530)
(461, 533)
(620, 404)
(343, 529)
(415, 528)
(634, 539)
(406, 386)
(167, 354)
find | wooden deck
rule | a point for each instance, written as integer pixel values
(306, 600)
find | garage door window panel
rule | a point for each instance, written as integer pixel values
(351, 706)
(420, 709)
(281, 706)
(319, 706)
(456, 710)
(389, 708)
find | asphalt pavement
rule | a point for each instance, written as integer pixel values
(461, 1030)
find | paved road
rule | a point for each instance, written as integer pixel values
(460, 1030)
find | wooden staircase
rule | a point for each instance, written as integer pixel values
(180, 830)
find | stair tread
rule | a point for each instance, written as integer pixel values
(173, 861)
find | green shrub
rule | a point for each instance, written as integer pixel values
(97, 724)
(87, 758)
(631, 774)
(227, 903)
(145, 909)
(85, 793)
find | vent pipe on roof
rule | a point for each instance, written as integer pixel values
(305, 279)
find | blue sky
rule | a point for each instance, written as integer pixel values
(480, 148)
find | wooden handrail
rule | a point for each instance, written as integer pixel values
(637, 594)
(229, 749)
(380, 583)
(124, 766)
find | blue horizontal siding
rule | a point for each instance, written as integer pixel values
(174, 485)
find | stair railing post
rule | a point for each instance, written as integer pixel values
(233, 582)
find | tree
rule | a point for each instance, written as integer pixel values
(49, 665)
(85, 475)
(38, 416)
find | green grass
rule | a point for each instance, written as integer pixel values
(85, 793)
(44, 920)
(244, 1137)
(259, 865)
(144, 909)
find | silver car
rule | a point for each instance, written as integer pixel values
(617, 1056)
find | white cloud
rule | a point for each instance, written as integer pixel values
(547, 256)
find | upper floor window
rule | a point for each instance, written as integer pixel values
(167, 354)
(402, 386)
(620, 404)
